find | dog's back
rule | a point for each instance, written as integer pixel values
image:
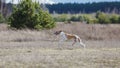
(70, 36)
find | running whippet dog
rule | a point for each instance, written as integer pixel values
(65, 36)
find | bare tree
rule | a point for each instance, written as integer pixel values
(1, 6)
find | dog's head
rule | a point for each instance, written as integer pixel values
(58, 32)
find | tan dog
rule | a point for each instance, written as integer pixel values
(65, 36)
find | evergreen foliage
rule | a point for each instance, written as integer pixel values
(2, 20)
(75, 8)
(28, 14)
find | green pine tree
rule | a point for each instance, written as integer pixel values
(29, 14)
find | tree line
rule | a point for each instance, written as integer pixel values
(74, 8)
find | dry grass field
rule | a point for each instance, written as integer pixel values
(39, 49)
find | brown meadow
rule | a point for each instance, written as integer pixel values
(39, 49)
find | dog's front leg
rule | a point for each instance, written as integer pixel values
(60, 44)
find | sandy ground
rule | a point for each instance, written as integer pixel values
(39, 49)
(47, 54)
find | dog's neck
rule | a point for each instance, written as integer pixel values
(63, 35)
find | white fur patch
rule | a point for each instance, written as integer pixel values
(63, 36)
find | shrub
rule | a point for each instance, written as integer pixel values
(61, 18)
(102, 18)
(74, 18)
(46, 21)
(2, 18)
(81, 18)
(114, 19)
(119, 19)
(29, 14)
(90, 20)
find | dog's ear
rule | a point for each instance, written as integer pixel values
(56, 32)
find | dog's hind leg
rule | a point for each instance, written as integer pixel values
(74, 42)
(81, 43)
